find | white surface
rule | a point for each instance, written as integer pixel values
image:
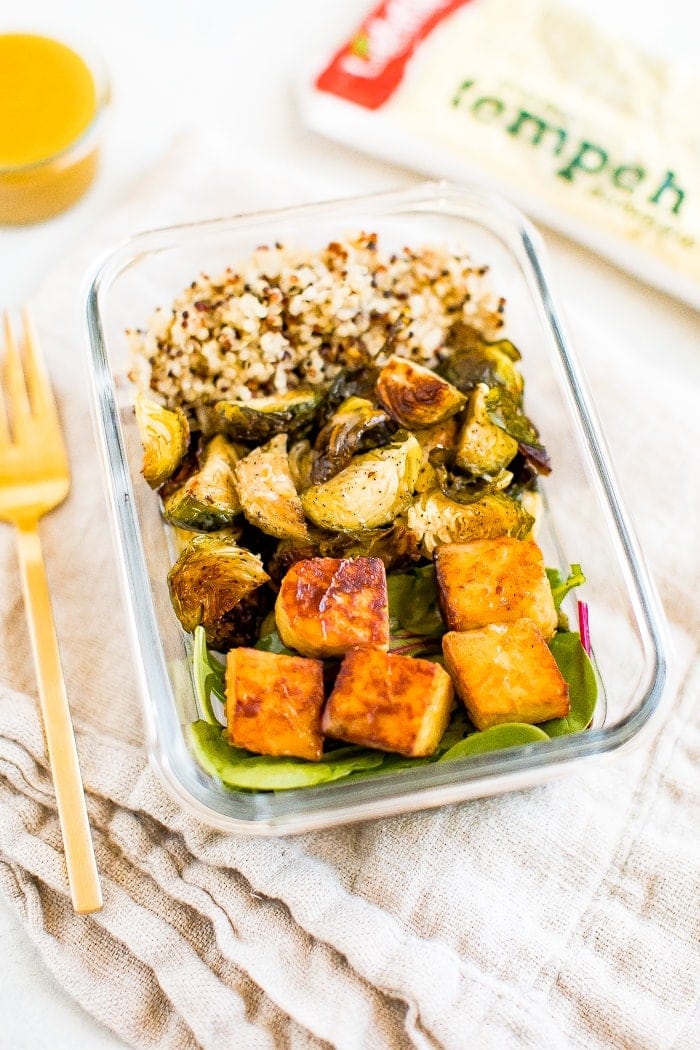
(229, 64)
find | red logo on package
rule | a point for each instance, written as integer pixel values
(368, 69)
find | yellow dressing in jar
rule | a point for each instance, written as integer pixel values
(50, 102)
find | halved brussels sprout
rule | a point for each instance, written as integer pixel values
(471, 359)
(393, 544)
(435, 519)
(482, 446)
(220, 586)
(416, 396)
(267, 493)
(342, 435)
(263, 417)
(165, 436)
(371, 491)
(208, 500)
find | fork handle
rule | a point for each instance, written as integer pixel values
(60, 740)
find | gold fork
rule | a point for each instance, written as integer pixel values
(35, 478)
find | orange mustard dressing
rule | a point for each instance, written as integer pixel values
(48, 100)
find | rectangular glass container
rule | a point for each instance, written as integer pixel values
(584, 522)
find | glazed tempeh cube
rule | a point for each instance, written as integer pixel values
(326, 606)
(274, 703)
(506, 673)
(494, 581)
(389, 702)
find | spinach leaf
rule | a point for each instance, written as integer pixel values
(209, 676)
(272, 643)
(509, 734)
(560, 587)
(578, 671)
(237, 768)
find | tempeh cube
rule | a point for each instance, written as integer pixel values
(506, 673)
(389, 702)
(494, 581)
(326, 606)
(274, 703)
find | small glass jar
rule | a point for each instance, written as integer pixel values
(52, 104)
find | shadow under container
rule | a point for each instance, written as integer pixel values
(585, 520)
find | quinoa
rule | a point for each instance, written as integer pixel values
(289, 316)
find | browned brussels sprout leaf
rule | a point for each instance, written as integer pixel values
(220, 586)
(471, 359)
(503, 410)
(353, 382)
(537, 457)
(263, 417)
(344, 433)
(289, 551)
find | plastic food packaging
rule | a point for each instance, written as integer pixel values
(586, 133)
(584, 521)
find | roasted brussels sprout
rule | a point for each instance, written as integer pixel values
(165, 436)
(504, 411)
(482, 446)
(416, 396)
(394, 545)
(343, 434)
(472, 360)
(208, 500)
(439, 436)
(220, 586)
(288, 552)
(435, 519)
(371, 491)
(267, 493)
(263, 417)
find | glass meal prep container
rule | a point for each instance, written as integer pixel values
(584, 520)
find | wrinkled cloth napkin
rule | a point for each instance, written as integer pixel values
(565, 915)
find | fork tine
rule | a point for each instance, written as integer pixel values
(16, 388)
(39, 387)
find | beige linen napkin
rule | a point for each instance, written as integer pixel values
(560, 916)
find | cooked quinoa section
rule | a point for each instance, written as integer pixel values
(288, 316)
